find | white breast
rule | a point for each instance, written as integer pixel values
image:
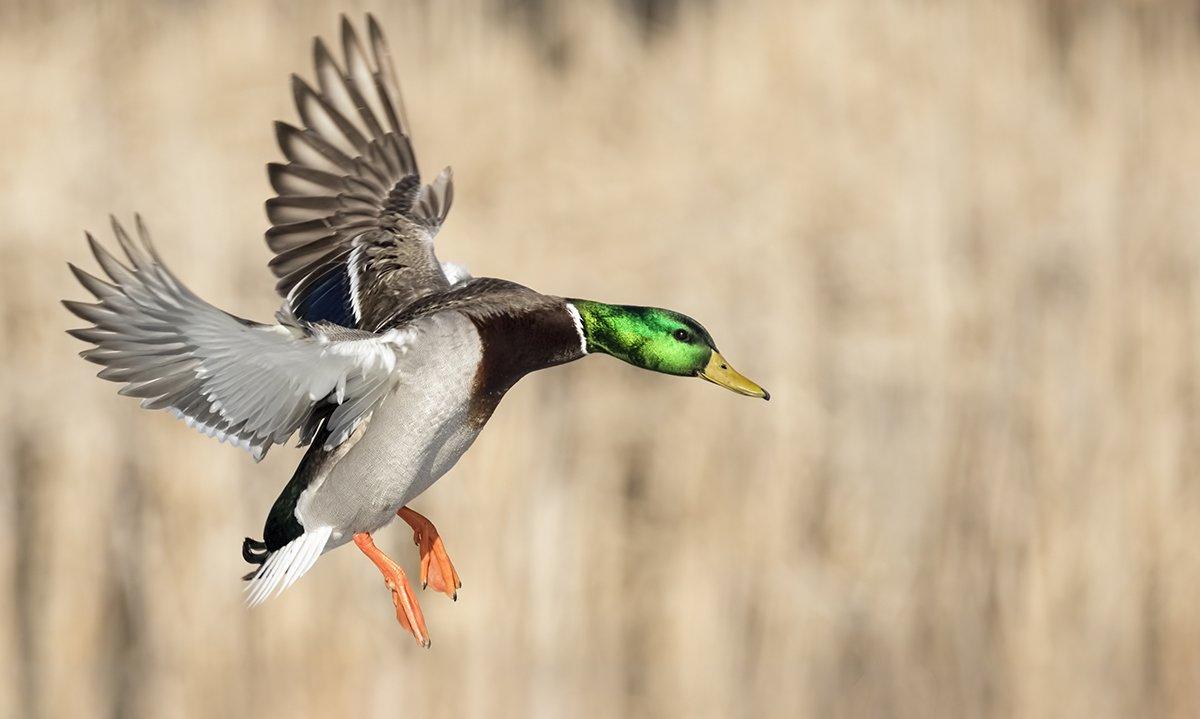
(414, 437)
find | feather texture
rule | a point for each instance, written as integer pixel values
(239, 381)
(351, 181)
(285, 566)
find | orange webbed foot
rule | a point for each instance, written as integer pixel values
(436, 568)
(408, 611)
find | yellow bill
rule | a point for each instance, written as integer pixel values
(719, 372)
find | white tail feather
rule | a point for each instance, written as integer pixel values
(286, 565)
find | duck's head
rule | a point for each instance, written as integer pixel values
(659, 340)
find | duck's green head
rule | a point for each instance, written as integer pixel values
(660, 340)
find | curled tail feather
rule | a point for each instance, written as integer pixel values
(254, 552)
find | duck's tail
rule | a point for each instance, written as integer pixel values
(282, 567)
(254, 552)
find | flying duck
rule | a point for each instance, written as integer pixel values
(386, 362)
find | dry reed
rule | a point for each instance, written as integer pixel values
(957, 241)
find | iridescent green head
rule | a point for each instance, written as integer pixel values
(659, 340)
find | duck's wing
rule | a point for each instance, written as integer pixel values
(233, 379)
(352, 225)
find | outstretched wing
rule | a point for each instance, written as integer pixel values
(352, 225)
(243, 382)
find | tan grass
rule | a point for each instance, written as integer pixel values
(958, 242)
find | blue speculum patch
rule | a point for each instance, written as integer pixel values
(327, 298)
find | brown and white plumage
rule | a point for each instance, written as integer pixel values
(352, 225)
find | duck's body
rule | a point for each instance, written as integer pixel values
(385, 361)
(363, 488)
(469, 359)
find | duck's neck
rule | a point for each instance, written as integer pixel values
(600, 326)
(525, 340)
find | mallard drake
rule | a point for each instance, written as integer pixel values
(386, 362)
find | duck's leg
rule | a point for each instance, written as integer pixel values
(436, 567)
(408, 611)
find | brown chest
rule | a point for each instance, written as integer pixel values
(515, 344)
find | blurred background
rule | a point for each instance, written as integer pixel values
(956, 240)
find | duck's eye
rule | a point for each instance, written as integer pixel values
(682, 336)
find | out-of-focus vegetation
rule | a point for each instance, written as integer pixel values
(958, 241)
